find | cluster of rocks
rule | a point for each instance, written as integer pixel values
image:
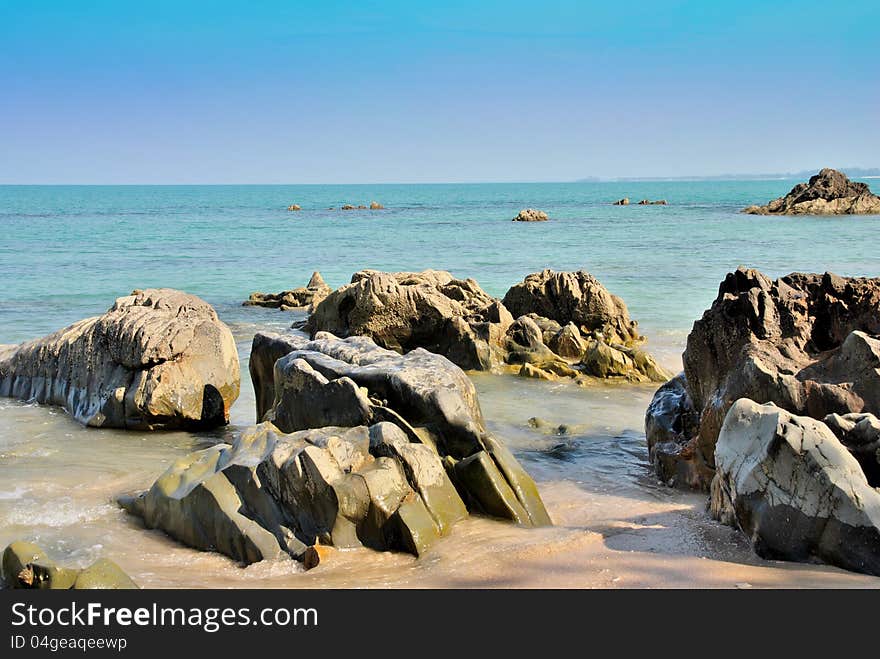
(531, 215)
(643, 202)
(358, 446)
(829, 192)
(27, 566)
(553, 324)
(374, 206)
(795, 462)
(294, 207)
(298, 298)
(158, 359)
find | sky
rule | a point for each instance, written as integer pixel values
(347, 92)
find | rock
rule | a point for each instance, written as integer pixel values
(369, 453)
(25, 565)
(531, 215)
(158, 359)
(860, 434)
(671, 423)
(574, 297)
(795, 491)
(621, 202)
(805, 342)
(376, 206)
(103, 574)
(431, 309)
(294, 207)
(567, 342)
(829, 192)
(315, 291)
(347, 207)
(648, 202)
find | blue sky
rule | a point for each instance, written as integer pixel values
(324, 92)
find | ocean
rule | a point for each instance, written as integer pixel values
(66, 252)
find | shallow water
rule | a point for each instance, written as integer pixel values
(65, 253)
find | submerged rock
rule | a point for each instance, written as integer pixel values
(313, 292)
(158, 359)
(795, 491)
(531, 215)
(358, 445)
(294, 207)
(648, 202)
(805, 342)
(25, 565)
(829, 192)
(621, 202)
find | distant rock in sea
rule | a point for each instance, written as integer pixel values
(829, 192)
(621, 202)
(294, 207)
(648, 202)
(531, 215)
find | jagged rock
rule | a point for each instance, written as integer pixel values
(574, 297)
(805, 342)
(829, 192)
(376, 206)
(25, 565)
(429, 309)
(294, 207)
(568, 343)
(860, 433)
(315, 291)
(621, 202)
(158, 359)
(648, 202)
(367, 453)
(795, 491)
(347, 207)
(531, 215)
(671, 423)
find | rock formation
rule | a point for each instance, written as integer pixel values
(25, 565)
(158, 359)
(531, 215)
(358, 445)
(648, 202)
(828, 193)
(793, 488)
(376, 206)
(313, 292)
(621, 202)
(806, 342)
(568, 324)
(294, 207)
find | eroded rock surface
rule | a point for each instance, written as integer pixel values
(357, 445)
(794, 489)
(531, 215)
(829, 192)
(806, 342)
(567, 326)
(157, 359)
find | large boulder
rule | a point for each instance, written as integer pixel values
(158, 359)
(829, 192)
(358, 445)
(793, 488)
(531, 215)
(431, 309)
(574, 297)
(806, 342)
(297, 298)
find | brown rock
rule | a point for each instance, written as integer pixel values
(829, 192)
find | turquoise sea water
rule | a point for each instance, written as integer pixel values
(67, 251)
